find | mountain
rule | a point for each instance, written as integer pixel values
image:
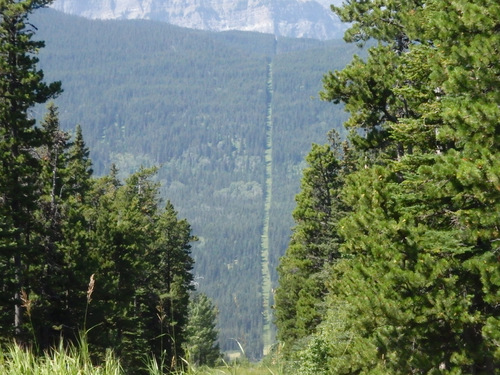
(291, 18)
(227, 116)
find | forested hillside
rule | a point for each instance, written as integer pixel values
(198, 106)
(393, 265)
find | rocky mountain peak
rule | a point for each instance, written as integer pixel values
(292, 18)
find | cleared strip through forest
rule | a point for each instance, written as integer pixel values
(266, 275)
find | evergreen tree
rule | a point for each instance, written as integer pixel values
(49, 278)
(314, 245)
(58, 226)
(80, 167)
(170, 279)
(417, 286)
(142, 263)
(75, 235)
(119, 241)
(417, 282)
(381, 20)
(21, 87)
(62, 280)
(201, 335)
(466, 77)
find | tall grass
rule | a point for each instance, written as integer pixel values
(236, 368)
(61, 360)
(16, 360)
(71, 359)
(75, 360)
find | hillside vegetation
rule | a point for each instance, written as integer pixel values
(196, 105)
(393, 265)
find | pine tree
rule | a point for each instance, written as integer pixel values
(120, 237)
(170, 279)
(59, 284)
(418, 280)
(21, 87)
(79, 167)
(75, 239)
(467, 78)
(201, 335)
(49, 276)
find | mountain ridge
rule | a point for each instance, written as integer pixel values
(290, 18)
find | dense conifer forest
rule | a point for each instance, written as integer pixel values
(392, 265)
(196, 105)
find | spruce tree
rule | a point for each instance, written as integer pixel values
(49, 277)
(79, 167)
(201, 345)
(170, 279)
(21, 88)
(75, 235)
(60, 282)
(140, 254)
(119, 240)
(313, 246)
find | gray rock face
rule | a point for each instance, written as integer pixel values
(293, 18)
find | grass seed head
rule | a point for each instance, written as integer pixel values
(90, 289)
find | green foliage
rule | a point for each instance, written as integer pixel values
(51, 275)
(138, 253)
(73, 360)
(416, 288)
(312, 247)
(59, 225)
(201, 345)
(21, 88)
(142, 264)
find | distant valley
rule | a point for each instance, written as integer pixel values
(228, 117)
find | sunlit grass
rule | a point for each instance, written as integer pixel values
(235, 370)
(15, 360)
(68, 361)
